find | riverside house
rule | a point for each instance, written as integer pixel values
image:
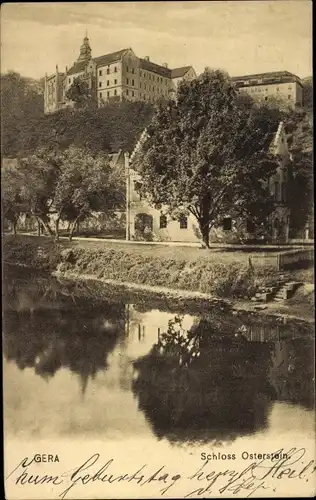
(144, 222)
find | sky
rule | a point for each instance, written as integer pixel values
(239, 37)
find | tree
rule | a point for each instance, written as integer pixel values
(79, 93)
(87, 182)
(40, 172)
(301, 186)
(21, 99)
(208, 154)
(11, 200)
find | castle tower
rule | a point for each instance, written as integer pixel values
(85, 50)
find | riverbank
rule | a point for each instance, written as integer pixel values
(209, 282)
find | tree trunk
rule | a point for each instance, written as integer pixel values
(57, 229)
(46, 226)
(73, 228)
(14, 224)
(205, 234)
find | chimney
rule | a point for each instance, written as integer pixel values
(165, 65)
(146, 58)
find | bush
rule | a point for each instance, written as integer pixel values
(217, 278)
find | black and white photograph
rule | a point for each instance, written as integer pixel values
(157, 250)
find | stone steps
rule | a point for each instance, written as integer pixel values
(282, 291)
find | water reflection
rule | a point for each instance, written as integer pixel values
(193, 378)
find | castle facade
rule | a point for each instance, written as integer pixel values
(114, 77)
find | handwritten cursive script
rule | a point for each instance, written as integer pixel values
(205, 481)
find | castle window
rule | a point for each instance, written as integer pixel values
(227, 224)
(163, 222)
(115, 82)
(127, 81)
(100, 72)
(183, 222)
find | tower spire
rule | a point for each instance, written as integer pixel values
(85, 49)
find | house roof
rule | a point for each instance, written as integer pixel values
(78, 67)
(110, 58)
(114, 157)
(155, 68)
(179, 72)
(277, 75)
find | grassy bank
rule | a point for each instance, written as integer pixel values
(215, 273)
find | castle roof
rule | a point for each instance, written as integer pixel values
(78, 67)
(155, 68)
(269, 77)
(179, 72)
(109, 58)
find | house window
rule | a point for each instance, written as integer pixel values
(108, 82)
(100, 84)
(127, 81)
(107, 71)
(115, 82)
(133, 82)
(108, 94)
(115, 93)
(227, 224)
(163, 222)
(115, 69)
(140, 85)
(133, 93)
(100, 95)
(183, 222)
(127, 92)
(133, 71)
(289, 96)
(100, 72)
(126, 69)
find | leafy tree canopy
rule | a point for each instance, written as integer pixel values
(208, 153)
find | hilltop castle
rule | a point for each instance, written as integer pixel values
(116, 76)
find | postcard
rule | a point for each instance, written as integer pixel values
(158, 250)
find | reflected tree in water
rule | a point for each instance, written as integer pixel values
(79, 338)
(202, 385)
(293, 371)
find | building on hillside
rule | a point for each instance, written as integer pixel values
(113, 77)
(282, 85)
(144, 222)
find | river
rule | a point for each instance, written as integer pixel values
(115, 370)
